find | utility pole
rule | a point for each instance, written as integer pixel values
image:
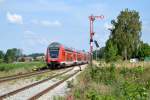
(92, 19)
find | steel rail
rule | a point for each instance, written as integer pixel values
(17, 76)
(38, 95)
(9, 78)
(32, 85)
(14, 75)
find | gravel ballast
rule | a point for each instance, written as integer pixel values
(58, 91)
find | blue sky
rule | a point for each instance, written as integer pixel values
(32, 24)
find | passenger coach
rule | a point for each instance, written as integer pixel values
(58, 55)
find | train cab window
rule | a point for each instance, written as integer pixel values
(54, 52)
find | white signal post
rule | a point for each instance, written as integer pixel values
(92, 18)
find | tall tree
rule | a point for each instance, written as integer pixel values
(12, 54)
(126, 33)
(34, 55)
(9, 56)
(99, 53)
(144, 50)
(110, 51)
(1, 56)
(17, 53)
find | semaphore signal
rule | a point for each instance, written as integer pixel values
(92, 19)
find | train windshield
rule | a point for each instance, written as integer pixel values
(54, 52)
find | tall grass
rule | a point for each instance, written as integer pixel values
(113, 83)
(7, 67)
(15, 68)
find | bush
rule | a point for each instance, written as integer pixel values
(124, 83)
(133, 91)
(103, 74)
(1, 61)
(93, 95)
(77, 93)
(70, 84)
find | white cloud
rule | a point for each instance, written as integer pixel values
(47, 23)
(14, 18)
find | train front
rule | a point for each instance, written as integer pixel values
(52, 55)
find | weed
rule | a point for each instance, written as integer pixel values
(38, 77)
(70, 84)
(125, 83)
(58, 98)
(15, 68)
(103, 74)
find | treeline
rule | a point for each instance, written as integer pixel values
(34, 55)
(13, 54)
(10, 56)
(125, 39)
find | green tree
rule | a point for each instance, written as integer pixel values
(99, 53)
(12, 55)
(110, 51)
(34, 55)
(9, 56)
(126, 33)
(17, 53)
(144, 50)
(1, 56)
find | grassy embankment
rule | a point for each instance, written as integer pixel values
(16, 68)
(113, 82)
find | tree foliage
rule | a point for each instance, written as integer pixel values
(144, 50)
(126, 33)
(1, 56)
(12, 55)
(99, 53)
(110, 51)
(34, 55)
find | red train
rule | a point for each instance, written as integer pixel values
(58, 55)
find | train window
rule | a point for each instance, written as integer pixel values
(54, 52)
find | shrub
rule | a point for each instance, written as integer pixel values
(92, 95)
(124, 83)
(70, 84)
(1, 61)
(103, 74)
(77, 93)
(133, 91)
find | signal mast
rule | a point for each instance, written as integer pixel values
(92, 19)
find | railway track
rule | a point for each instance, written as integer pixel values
(31, 85)
(38, 95)
(13, 77)
(40, 82)
(18, 76)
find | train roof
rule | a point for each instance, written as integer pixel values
(57, 44)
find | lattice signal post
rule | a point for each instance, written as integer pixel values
(92, 19)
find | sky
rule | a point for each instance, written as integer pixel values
(32, 25)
